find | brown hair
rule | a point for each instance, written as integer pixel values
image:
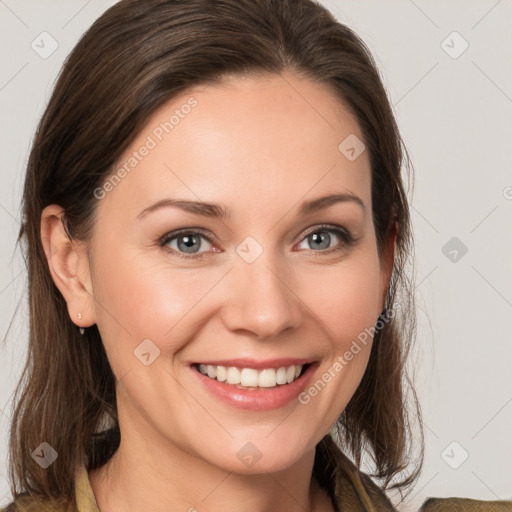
(138, 55)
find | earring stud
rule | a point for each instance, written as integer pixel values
(82, 330)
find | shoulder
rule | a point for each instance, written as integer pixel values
(351, 488)
(355, 490)
(465, 505)
(360, 492)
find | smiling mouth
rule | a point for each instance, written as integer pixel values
(250, 378)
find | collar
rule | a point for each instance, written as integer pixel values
(85, 500)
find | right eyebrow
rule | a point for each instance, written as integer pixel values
(195, 207)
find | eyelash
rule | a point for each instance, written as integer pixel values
(346, 237)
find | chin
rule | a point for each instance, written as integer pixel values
(260, 455)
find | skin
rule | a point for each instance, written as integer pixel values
(259, 146)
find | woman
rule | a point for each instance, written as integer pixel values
(217, 234)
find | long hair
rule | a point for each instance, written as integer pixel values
(137, 56)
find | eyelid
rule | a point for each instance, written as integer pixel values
(329, 227)
(200, 231)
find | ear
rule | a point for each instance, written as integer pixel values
(388, 259)
(69, 266)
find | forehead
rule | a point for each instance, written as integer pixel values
(249, 141)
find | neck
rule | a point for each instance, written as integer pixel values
(160, 476)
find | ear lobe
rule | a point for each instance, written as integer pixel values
(68, 266)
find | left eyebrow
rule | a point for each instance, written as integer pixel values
(221, 212)
(314, 205)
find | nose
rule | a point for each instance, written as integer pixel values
(260, 300)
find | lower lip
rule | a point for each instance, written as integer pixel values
(261, 399)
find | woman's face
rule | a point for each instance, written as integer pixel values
(255, 283)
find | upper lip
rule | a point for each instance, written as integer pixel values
(255, 364)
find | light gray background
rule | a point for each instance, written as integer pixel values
(455, 117)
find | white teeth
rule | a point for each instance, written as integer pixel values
(281, 376)
(222, 374)
(267, 378)
(212, 371)
(251, 378)
(233, 375)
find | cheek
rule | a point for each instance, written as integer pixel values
(136, 301)
(346, 302)
(346, 298)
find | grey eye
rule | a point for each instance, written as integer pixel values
(319, 239)
(189, 243)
